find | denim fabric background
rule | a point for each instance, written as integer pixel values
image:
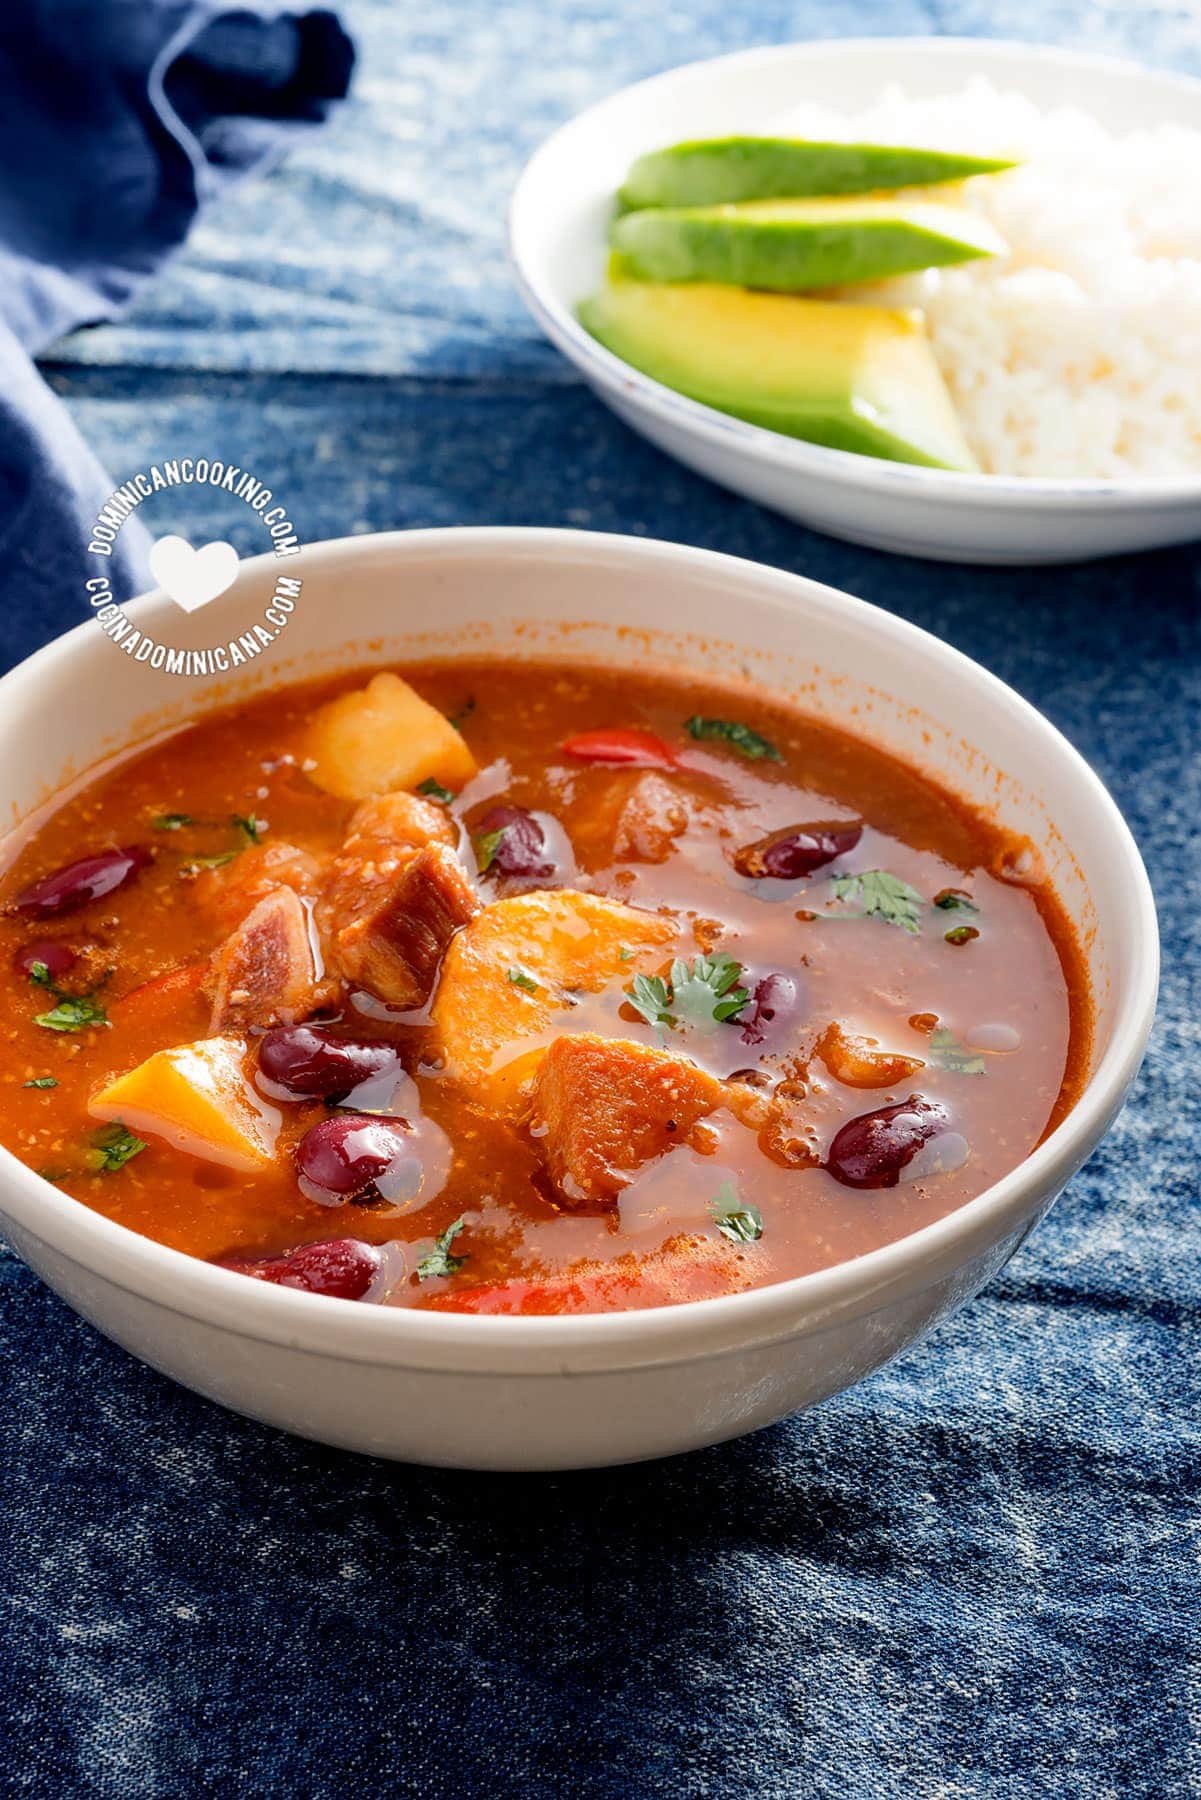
(972, 1578)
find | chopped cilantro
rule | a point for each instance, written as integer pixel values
(41, 1081)
(525, 982)
(436, 791)
(251, 828)
(741, 1224)
(625, 953)
(209, 862)
(883, 896)
(486, 848)
(464, 713)
(707, 990)
(955, 900)
(74, 1012)
(172, 821)
(651, 996)
(946, 1052)
(740, 737)
(703, 992)
(439, 1260)
(112, 1148)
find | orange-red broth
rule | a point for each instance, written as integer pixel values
(1019, 980)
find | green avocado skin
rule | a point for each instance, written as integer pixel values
(714, 171)
(789, 256)
(829, 407)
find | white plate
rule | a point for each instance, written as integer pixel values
(557, 228)
(542, 1393)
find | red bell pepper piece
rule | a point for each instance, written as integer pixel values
(657, 1282)
(618, 745)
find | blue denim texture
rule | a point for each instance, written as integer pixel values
(972, 1578)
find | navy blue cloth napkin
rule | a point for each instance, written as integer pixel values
(118, 120)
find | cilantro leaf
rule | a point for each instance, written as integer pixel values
(955, 900)
(439, 1261)
(41, 1081)
(708, 991)
(74, 1012)
(740, 737)
(71, 1012)
(946, 1052)
(113, 1147)
(741, 1224)
(703, 992)
(525, 982)
(435, 791)
(172, 821)
(651, 996)
(883, 896)
(251, 828)
(209, 862)
(486, 847)
(464, 713)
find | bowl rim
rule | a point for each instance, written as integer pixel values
(800, 1305)
(630, 386)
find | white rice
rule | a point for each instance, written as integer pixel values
(1078, 354)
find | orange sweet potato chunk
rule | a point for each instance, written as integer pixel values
(602, 1107)
(490, 1029)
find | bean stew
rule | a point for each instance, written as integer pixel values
(527, 988)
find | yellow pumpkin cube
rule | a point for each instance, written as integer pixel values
(381, 738)
(196, 1098)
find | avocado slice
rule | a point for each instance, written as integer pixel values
(852, 377)
(790, 246)
(716, 171)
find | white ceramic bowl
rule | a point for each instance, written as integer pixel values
(568, 1392)
(557, 229)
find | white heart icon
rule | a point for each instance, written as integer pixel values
(193, 577)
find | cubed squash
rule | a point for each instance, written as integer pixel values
(515, 975)
(196, 1098)
(381, 738)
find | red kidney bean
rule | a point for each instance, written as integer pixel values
(871, 1151)
(305, 1062)
(57, 958)
(774, 1003)
(348, 1154)
(796, 851)
(91, 878)
(343, 1267)
(522, 847)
